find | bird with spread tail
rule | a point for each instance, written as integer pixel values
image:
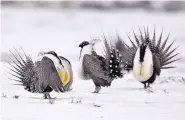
(50, 72)
(147, 56)
(102, 69)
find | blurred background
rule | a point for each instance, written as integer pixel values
(62, 25)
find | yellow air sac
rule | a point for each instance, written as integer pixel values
(64, 76)
(141, 74)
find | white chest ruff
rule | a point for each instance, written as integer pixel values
(55, 60)
(143, 71)
(63, 70)
(86, 50)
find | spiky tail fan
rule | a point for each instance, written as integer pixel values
(25, 71)
(127, 53)
(158, 48)
(113, 59)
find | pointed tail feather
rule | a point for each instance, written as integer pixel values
(160, 48)
(20, 57)
(18, 65)
(170, 53)
(16, 69)
(159, 41)
(164, 44)
(24, 70)
(167, 67)
(134, 46)
(157, 47)
(171, 61)
(169, 58)
(136, 39)
(141, 35)
(17, 72)
(167, 49)
(153, 41)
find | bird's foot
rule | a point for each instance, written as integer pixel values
(95, 92)
(97, 89)
(45, 97)
(149, 90)
(146, 86)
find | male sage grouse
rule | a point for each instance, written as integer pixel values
(101, 69)
(147, 56)
(49, 72)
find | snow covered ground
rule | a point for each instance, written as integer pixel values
(62, 31)
(125, 99)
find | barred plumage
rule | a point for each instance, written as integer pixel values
(44, 75)
(101, 69)
(162, 53)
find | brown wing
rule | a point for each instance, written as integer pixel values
(48, 75)
(95, 68)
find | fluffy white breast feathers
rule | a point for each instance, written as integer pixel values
(52, 57)
(143, 70)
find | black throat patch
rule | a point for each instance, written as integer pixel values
(142, 52)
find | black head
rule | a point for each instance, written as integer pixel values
(84, 43)
(53, 53)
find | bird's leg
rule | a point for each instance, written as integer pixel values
(145, 87)
(97, 89)
(47, 95)
(148, 86)
(149, 89)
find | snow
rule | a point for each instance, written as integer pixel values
(124, 99)
(63, 31)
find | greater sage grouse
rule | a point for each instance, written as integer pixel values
(102, 69)
(49, 72)
(147, 56)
